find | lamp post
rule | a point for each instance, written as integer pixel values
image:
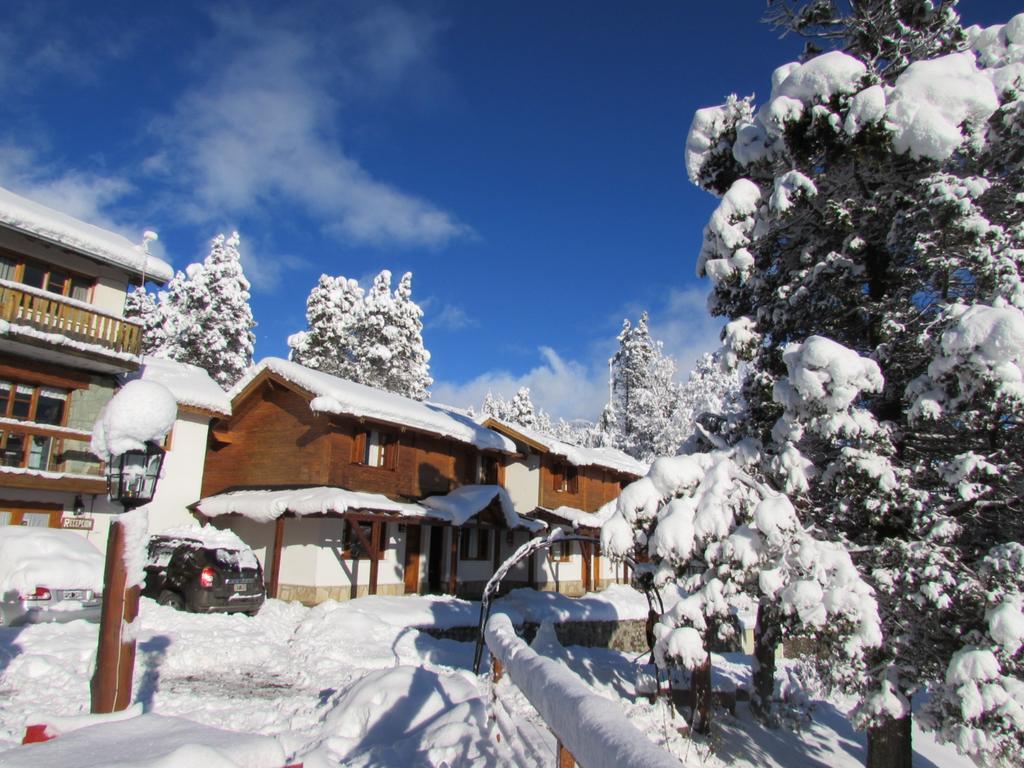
(131, 481)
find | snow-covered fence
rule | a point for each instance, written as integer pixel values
(593, 729)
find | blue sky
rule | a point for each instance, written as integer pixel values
(524, 160)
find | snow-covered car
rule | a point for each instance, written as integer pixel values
(48, 574)
(204, 570)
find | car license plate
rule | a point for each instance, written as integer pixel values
(74, 594)
(239, 587)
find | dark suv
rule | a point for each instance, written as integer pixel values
(190, 575)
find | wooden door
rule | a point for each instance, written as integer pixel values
(411, 564)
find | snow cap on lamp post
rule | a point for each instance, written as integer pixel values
(126, 437)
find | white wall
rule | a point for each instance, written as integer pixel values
(522, 481)
(182, 478)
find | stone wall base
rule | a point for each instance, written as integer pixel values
(313, 595)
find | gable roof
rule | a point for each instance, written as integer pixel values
(333, 395)
(606, 458)
(35, 219)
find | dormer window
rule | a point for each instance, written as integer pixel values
(375, 448)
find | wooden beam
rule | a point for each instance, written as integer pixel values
(275, 558)
(453, 571)
(375, 533)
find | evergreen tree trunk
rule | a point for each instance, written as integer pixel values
(766, 641)
(889, 744)
(700, 696)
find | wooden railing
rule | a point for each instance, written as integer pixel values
(49, 449)
(51, 313)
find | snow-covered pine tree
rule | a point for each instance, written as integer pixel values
(387, 340)
(642, 396)
(711, 390)
(141, 305)
(333, 311)
(521, 410)
(410, 369)
(733, 545)
(208, 319)
(868, 250)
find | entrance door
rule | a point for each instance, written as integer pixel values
(411, 565)
(435, 559)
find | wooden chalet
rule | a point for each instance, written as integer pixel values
(571, 487)
(344, 490)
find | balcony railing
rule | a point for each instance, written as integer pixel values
(48, 312)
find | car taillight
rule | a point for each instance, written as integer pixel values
(206, 577)
(41, 593)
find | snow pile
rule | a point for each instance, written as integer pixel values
(264, 506)
(1006, 624)
(191, 385)
(40, 221)
(406, 716)
(140, 412)
(150, 741)
(338, 396)
(932, 99)
(983, 348)
(458, 506)
(32, 557)
(591, 727)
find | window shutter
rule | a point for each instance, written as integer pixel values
(359, 448)
(391, 452)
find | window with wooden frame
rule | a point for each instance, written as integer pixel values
(475, 543)
(565, 478)
(48, 277)
(351, 544)
(35, 404)
(28, 514)
(375, 448)
(561, 551)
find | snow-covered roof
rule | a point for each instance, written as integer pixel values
(32, 218)
(338, 396)
(456, 508)
(461, 504)
(609, 458)
(191, 385)
(578, 518)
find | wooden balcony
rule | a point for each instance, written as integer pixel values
(51, 313)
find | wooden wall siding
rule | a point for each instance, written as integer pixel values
(595, 487)
(426, 464)
(275, 440)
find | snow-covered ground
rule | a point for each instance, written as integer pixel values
(355, 684)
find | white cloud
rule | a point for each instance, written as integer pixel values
(565, 388)
(686, 328)
(448, 318)
(260, 126)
